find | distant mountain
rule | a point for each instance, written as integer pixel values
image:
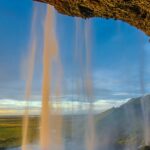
(124, 127)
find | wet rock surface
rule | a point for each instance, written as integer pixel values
(134, 12)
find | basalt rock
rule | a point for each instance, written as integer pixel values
(134, 12)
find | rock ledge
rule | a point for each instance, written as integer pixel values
(134, 12)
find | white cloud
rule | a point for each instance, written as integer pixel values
(16, 107)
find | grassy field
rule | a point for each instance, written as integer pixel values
(11, 131)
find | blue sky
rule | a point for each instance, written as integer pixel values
(116, 52)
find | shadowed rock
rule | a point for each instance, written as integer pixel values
(145, 148)
(134, 12)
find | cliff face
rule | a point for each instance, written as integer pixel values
(134, 12)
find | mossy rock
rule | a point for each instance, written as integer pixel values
(134, 12)
(145, 148)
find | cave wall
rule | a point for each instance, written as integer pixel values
(134, 12)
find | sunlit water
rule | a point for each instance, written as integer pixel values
(51, 133)
(29, 83)
(48, 122)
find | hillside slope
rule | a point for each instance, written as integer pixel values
(124, 126)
